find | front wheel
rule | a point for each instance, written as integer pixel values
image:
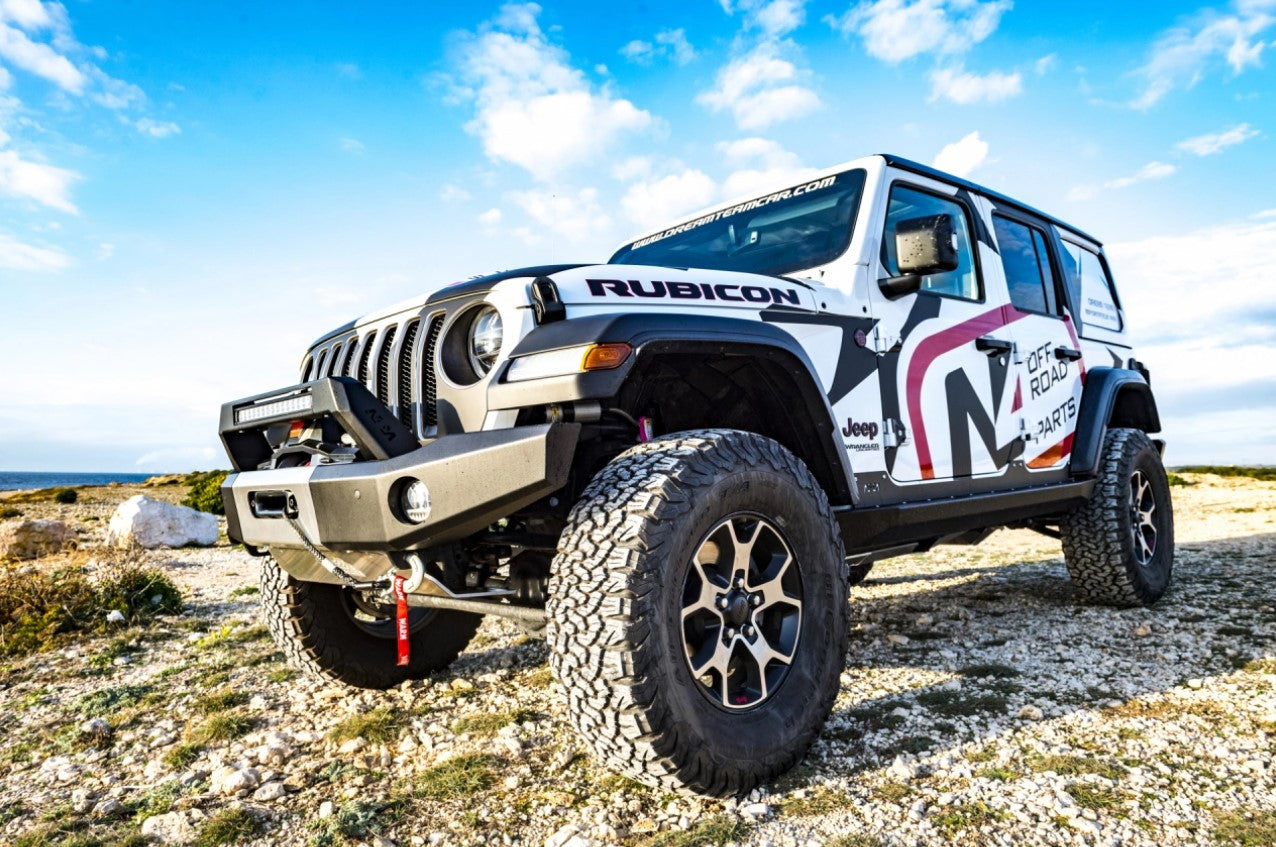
(333, 631)
(698, 613)
(1119, 546)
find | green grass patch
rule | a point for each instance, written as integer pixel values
(893, 792)
(10, 512)
(459, 776)
(379, 726)
(1097, 797)
(205, 491)
(220, 701)
(1263, 474)
(1177, 481)
(1075, 766)
(819, 801)
(245, 591)
(282, 675)
(183, 756)
(226, 726)
(1000, 774)
(1245, 828)
(154, 801)
(228, 826)
(229, 635)
(487, 723)
(962, 703)
(716, 830)
(953, 819)
(1264, 665)
(112, 700)
(37, 607)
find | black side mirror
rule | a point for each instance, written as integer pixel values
(925, 245)
(922, 246)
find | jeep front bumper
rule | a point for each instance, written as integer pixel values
(474, 479)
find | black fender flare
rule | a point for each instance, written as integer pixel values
(1111, 397)
(653, 335)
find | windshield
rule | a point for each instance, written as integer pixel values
(793, 229)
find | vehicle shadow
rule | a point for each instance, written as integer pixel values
(979, 644)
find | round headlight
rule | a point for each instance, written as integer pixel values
(486, 334)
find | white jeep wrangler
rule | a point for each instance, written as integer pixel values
(677, 462)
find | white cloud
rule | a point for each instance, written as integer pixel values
(167, 458)
(1264, 215)
(1150, 171)
(962, 157)
(760, 164)
(752, 87)
(1181, 56)
(40, 59)
(652, 202)
(16, 256)
(675, 41)
(351, 145)
(639, 51)
(895, 30)
(634, 167)
(156, 129)
(45, 184)
(490, 218)
(1045, 64)
(957, 85)
(574, 216)
(533, 108)
(1211, 143)
(1204, 345)
(348, 70)
(669, 44)
(31, 15)
(6, 79)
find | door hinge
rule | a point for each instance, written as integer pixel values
(883, 343)
(893, 433)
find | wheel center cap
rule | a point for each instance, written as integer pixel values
(737, 611)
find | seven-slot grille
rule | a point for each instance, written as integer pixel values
(389, 360)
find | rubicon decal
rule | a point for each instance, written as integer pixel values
(692, 291)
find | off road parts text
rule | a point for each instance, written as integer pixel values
(692, 291)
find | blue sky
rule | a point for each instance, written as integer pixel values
(190, 193)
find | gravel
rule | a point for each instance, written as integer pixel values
(982, 703)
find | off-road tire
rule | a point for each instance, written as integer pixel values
(310, 623)
(1100, 545)
(615, 632)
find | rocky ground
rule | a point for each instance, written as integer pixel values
(981, 704)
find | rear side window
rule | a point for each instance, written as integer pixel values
(1091, 287)
(1027, 265)
(908, 203)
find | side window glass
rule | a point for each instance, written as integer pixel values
(1093, 287)
(908, 203)
(1027, 266)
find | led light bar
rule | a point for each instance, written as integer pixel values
(274, 408)
(569, 360)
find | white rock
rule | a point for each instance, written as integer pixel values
(170, 828)
(1031, 713)
(236, 780)
(151, 523)
(270, 791)
(923, 621)
(755, 811)
(108, 808)
(326, 809)
(33, 539)
(115, 616)
(1196, 683)
(901, 768)
(272, 754)
(354, 745)
(382, 841)
(560, 838)
(896, 638)
(1143, 630)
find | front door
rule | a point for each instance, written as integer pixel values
(946, 353)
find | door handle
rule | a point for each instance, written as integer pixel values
(1071, 354)
(993, 346)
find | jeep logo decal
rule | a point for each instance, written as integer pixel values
(692, 291)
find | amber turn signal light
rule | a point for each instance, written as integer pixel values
(603, 357)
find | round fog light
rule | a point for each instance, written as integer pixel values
(416, 501)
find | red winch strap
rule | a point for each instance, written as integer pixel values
(401, 621)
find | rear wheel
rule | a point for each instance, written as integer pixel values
(1119, 546)
(333, 631)
(698, 613)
